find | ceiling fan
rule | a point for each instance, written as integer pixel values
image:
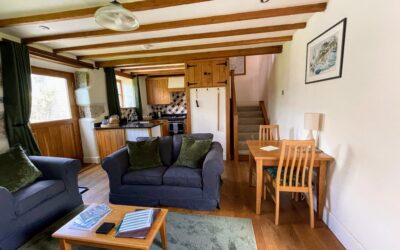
(115, 17)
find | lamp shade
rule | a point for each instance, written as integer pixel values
(312, 121)
(82, 96)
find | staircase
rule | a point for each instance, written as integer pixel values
(250, 118)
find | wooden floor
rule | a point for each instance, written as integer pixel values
(238, 200)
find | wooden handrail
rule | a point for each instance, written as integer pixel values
(264, 112)
(235, 118)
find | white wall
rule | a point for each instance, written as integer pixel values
(251, 88)
(362, 118)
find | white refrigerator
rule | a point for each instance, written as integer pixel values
(208, 112)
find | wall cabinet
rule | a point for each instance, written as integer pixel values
(157, 91)
(109, 141)
(207, 73)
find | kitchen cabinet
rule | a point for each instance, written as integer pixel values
(109, 140)
(207, 73)
(220, 73)
(157, 91)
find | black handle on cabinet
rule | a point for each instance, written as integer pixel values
(207, 73)
(224, 82)
(191, 83)
(190, 66)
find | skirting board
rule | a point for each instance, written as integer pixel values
(95, 160)
(341, 232)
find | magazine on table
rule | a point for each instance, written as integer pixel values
(137, 224)
(90, 217)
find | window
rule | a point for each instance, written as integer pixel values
(50, 100)
(126, 93)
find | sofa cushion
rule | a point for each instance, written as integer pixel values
(193, 152)
(35, 194)
(177, 142)
(16, 170)
(165, 148)
(183, 176)
(144, 154)
(149, 176)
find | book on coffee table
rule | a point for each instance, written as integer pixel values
(137, 224)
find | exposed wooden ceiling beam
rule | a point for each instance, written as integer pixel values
(149, 71)
(59, 59)
(190, 47)
(187, 57)
(238, 32)
(161, 73)
(89, 12)
(122, 74)
(189, 22)
(153, 67)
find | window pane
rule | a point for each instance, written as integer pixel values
(129, 98)
(50, 99)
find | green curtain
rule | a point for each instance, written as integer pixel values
(17, 95)
(138, 101)
(112, 92)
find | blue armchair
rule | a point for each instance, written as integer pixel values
(38, 205)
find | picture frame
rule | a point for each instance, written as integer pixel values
(324, 58)
(238, 64)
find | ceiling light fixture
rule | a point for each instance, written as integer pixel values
(264, 1)
(115, 17)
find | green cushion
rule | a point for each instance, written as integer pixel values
(16, 170)
(144, 154)
(193, 152)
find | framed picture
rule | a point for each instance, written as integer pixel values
(238, 64)
(324, 59)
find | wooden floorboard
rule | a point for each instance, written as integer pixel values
(238, 200)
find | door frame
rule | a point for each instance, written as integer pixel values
(70, 77)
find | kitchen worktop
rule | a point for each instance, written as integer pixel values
(133, 125)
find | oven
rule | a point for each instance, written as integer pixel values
(176, 123)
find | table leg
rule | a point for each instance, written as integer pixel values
(64, 245)
(321, 189)
(163, 234)
(250, 169)
(259, 185)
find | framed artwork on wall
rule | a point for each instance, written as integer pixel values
(238, 64)
(324, 60)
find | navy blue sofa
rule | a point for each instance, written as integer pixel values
(167, 185)
(31, 209)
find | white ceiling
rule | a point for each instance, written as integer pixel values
(190, 11)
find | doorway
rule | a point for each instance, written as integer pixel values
(54, 114)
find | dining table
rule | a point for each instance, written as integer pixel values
(262, 159)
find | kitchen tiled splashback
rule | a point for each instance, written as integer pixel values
(178, 105)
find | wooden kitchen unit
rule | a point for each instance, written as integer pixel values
(109, 140)
(157, 91)
(207, 73)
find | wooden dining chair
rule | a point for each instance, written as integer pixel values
(293, 174)
(266, 133)
(269, 133)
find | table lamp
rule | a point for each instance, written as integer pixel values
(311, 123)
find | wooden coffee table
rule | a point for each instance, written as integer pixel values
(69, 237)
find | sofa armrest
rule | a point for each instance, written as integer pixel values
(7, 211)
(116, 165)
(56, 168)
(213, 167)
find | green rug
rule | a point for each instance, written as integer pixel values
(185, 231)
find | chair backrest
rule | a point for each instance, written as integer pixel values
(269, 133)
(295, 169)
